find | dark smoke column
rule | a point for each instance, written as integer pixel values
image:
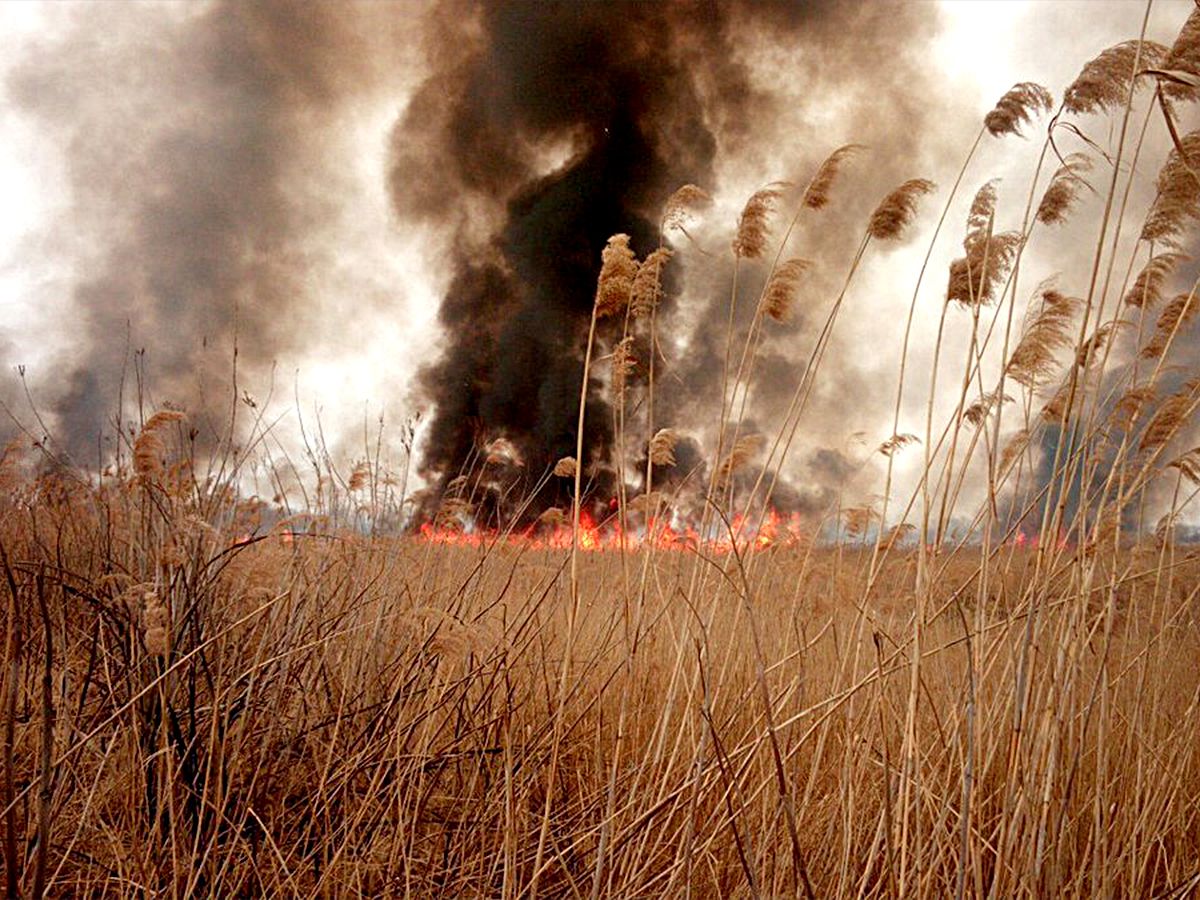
(638, 94)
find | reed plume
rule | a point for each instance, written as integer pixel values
(623, 363)
(1086, 352)
(682, 204)
(1174, 316)
(1033, 361)
(157, 622)
(978, 411)
(858, 519)
(149, 448)
(565, 467)
(553, 517)
(1064, 189)
(1184, 58)
(618, 269)
(1170, 416)
(816, 195)
(897, 210)
(1146, 289)
(1017, 107)
(1016, 445)
(662, 447)
(743, 451)
(1188, 465)
(1105, 81)
(647, 283)
(358, 477)
(975, 277)
(1130, 403)
(896, 443)
(754, 227)
(1178, 198)
(779, 296)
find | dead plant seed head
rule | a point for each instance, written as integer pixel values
(149, 448)
(1147, 288)
(978, 411)
(1104, 82)
(1087, 351)
(975, 277)
(553, 517)
(746, 448)
(662, 447)
(647, 283)
(359, 477)
(1131, 403)
(897, 210)
(779, 296)
(623, 363)
(1173, 317)
(565, 467)
(754, 229)
(618, 268)
(157, 621)
(1018, 107)
(1184, 59)
(1012, 450)
(897, 442)
(1064, 189)
(1033, 361)
(682, 204)
(816, 195)
(1178, 198)
(1170, 417)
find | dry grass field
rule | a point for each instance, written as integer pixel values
(984, 682)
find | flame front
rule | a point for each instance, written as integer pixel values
(743, 533)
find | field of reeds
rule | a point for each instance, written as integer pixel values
(984, 682)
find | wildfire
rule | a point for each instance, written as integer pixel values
(774, 530)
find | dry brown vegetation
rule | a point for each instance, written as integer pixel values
(985, 684)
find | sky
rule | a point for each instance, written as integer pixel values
(348, 340)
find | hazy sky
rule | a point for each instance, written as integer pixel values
(372, 278)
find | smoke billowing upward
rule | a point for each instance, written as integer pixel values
(546, 128)
(193, 146)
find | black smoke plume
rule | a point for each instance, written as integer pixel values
(636, 99)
